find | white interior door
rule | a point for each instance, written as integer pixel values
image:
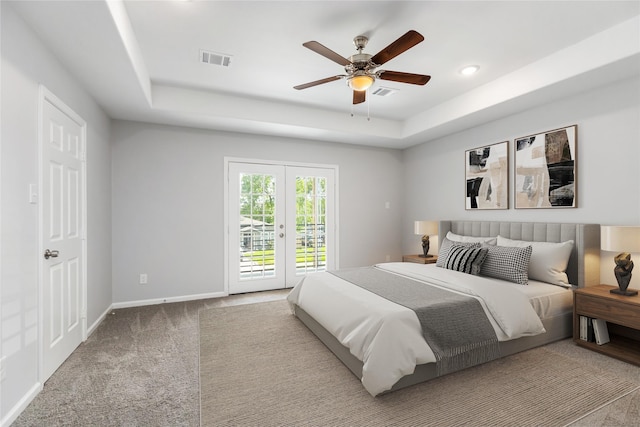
(63, 232)
(281, 223)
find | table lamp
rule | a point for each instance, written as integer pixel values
(425, 228)
(625, 239)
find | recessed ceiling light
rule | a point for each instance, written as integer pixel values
(469, 70)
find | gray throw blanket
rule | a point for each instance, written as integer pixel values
(455, 326)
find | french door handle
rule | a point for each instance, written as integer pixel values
(50, 254)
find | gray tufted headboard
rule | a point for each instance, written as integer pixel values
(584, 264)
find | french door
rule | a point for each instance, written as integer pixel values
(281, 222)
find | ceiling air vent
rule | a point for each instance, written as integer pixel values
(213, 58)
(384, 91)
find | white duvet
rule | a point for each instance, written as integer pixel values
(387, 337)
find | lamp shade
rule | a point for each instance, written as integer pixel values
(620, 238)
(425, 227)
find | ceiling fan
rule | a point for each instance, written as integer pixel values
(361, 67)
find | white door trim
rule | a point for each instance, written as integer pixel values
(45, 95)
(228, 160)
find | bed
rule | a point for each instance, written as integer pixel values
(383, 342)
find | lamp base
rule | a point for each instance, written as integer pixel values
(430, 256)
(625, 293)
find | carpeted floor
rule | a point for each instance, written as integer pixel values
(258, 357)
(140, 368)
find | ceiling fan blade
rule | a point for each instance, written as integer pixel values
(359, 96)
(317, 82)
(397, 76)
(326, 52)
(405, 42)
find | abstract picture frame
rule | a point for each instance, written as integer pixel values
(487, 177)
(545, 172)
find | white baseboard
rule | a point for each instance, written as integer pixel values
(21, 405)
(100, 319)
(140, 303)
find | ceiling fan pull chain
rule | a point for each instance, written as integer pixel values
(351, 110)
(368, 104)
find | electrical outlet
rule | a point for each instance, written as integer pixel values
(144, 279)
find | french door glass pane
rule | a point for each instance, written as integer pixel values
(257, 234)
(311, 201)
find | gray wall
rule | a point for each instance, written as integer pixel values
(25, 64)
(168, 204)
(608, 159)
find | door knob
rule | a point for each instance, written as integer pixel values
(50, 254)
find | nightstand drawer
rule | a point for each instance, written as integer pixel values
(622, 314)
(609, 309)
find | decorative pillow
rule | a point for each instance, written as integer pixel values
(445, 247)
(548, 260)
(507, 263)
(466, 239)
(465, 259)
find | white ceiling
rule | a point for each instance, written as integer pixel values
(140, 60)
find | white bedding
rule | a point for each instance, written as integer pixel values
(387, 337)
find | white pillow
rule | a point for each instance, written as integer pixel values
(548, 260)
(470, 239)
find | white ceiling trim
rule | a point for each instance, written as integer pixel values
(605, 48)
(215, 110)
(131, 46)
(525, 68)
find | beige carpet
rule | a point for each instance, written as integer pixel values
(260, 366)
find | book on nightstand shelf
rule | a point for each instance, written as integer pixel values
(586, 329)
(593, 330)
(600, 331)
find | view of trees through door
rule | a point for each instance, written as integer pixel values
(283, 223)
(257, 224)
(311, 208)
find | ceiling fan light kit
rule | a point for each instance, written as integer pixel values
(361, 67)
(360, 82)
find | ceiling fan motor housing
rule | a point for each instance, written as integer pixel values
(360, 61)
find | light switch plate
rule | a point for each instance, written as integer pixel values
(33, 194)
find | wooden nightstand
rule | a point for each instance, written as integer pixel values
(420, 260)
(622, 315)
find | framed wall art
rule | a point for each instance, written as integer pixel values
(545, 169)
(487, 177)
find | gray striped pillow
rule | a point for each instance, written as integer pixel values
(445, 247)
(465, 259)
